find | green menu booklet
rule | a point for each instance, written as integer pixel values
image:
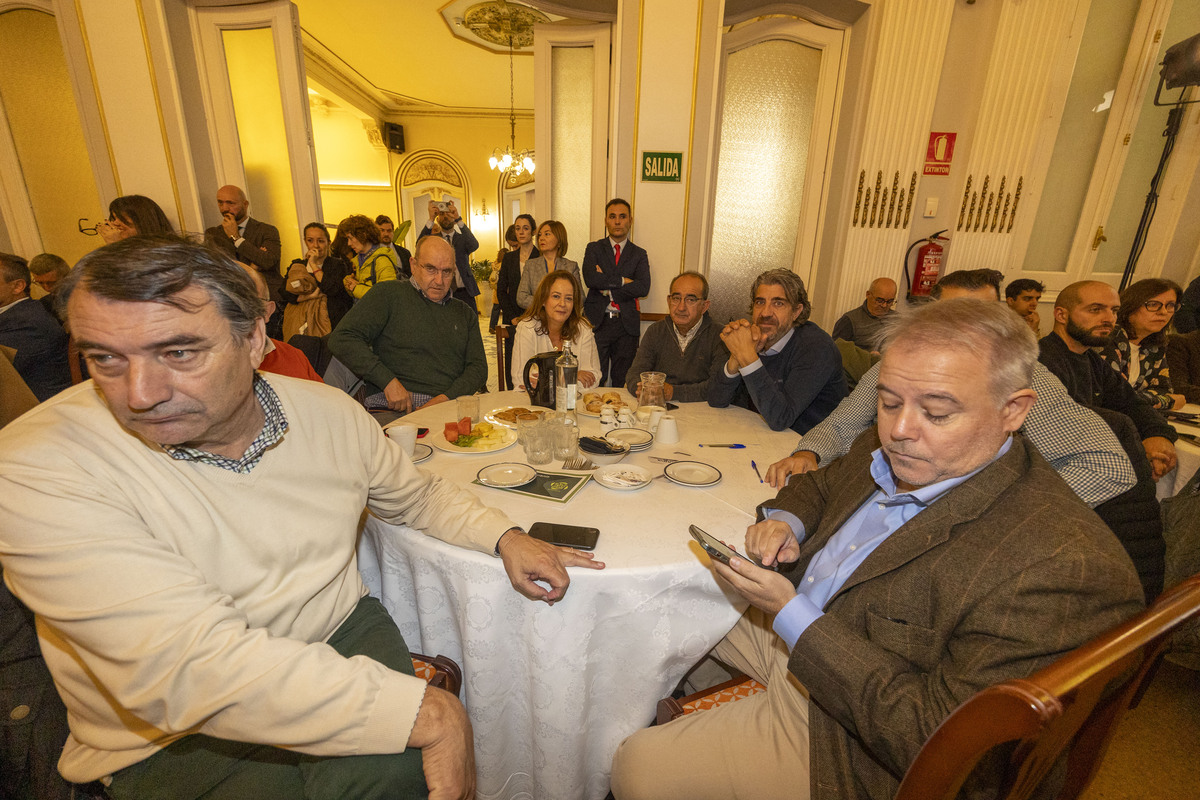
(559, 487)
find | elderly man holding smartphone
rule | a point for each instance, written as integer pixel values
(941, 555)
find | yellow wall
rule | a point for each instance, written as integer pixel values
(469, 141)
(36, 92)
(359, 178)
(353, 172)
(254, 83)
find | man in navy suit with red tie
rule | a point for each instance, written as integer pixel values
(617, 273)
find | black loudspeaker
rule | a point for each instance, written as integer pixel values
(393, 135)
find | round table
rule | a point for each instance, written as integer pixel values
(1187, 453)
(552, 691)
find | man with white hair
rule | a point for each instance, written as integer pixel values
(940, 556)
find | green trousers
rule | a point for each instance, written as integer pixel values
(200, 767)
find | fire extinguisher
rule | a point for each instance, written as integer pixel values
(929, 264)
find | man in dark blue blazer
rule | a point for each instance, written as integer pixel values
(617, 273)
(27, 327)
(448, 224)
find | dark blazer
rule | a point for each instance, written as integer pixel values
(41, 345)
(635, 264)
(1183, 364)
(260, 249)
(337, 299)
(507, 283)
(464, 243)
(997, 578)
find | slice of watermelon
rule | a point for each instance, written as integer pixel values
(451, 432)
(464, 426)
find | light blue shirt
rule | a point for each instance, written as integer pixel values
(875, 520)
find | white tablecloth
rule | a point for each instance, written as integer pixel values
(552, 691)
(1187, 453)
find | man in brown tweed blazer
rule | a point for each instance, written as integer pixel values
(942, 554)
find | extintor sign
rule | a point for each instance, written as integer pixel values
(941, 150)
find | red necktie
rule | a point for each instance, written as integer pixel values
(616, 254)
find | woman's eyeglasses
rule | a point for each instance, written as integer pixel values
(1158, 305)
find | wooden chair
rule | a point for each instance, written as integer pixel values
(438, 671)
(1072, 706)
(670, 708)
(504, 380)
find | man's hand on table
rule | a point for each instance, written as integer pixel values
(772, 542)
(798, 462)
(443, 734)
(765, 589)
(527, 560)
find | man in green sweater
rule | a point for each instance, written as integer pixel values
(411, 339)
(184, 530)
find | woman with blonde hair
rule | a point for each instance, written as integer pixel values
(552, 245)
(555, 317)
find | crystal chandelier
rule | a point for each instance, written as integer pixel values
(510, 159)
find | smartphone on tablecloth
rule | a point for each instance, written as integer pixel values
(575, 536)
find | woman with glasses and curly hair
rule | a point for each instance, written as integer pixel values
(556, 316)
(1138, 349)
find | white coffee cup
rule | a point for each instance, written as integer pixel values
(405, 435)
(668, 430)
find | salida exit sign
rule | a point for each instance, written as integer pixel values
(662, 167)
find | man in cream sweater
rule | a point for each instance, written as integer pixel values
(184, 531)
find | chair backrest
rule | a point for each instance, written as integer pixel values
(502, 366)
(1072, 706)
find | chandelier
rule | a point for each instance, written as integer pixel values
(511, 160)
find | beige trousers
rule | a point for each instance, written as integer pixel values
(752, 749)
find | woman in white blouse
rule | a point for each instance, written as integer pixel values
(552, 249)
(556, 316)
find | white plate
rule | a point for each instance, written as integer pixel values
(636, 438)
(622, 477)
(692, 473)
(439, 442)
(421, 452)
(492, 418)
(506, 474)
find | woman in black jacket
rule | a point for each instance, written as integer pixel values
(328, 270)
(510, 276)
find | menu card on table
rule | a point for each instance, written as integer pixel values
(558, 487)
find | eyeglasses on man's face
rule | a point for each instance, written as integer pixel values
(879, 301)
(1158, 305)
(432, 272)
(677, 298)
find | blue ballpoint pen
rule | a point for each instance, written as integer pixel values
(756, 472)
(732, 446)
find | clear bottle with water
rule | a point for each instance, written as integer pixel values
(566, 369)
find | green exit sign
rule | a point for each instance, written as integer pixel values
(662, 167)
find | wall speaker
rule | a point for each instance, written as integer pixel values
(393, 135)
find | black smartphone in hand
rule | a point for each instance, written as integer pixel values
(718, 549)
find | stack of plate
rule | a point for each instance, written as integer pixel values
(636, 438)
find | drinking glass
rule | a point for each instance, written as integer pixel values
(538, 443)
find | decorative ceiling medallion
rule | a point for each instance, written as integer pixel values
(498, 21)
